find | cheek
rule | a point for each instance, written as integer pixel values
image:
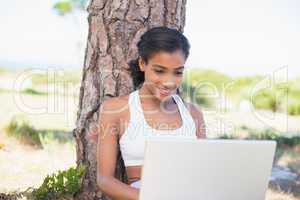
(152, 79)
(159, 80)
(179, 80)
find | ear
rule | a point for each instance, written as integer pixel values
(142, 64)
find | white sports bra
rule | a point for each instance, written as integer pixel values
(132, 141)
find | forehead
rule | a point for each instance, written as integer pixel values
(168, 60)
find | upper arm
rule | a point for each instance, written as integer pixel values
(197, 115)
(107, 140)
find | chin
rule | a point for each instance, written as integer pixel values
(162, 96)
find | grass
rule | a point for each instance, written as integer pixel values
(65, 76)
(4, 71)
(62, 117)
(278, 195)
(266, 134)
(55, 136)
(266, 100)
(20, 128)
(23, 167)
(199, 77)
(282, 141)
(190, 93)
(3, 90)
(294, 108)
(32, 91)
(206, 87)
(2, 145)
(51, 82)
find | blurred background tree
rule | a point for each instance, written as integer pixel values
(67, 6)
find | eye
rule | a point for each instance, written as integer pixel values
(179, 73)
(159, 71)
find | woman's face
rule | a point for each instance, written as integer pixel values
(163, 73)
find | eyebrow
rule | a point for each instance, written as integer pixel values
(160, 66)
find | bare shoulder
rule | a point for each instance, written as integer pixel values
(197, 115)
(112, 110)
(194, 109)
(115, 105)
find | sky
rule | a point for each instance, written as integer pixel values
(33, 34)
(257, 36)
(234, 37)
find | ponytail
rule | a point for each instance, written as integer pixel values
(137, 75)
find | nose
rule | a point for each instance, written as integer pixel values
(169, 84)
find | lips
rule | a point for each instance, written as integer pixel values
(164, 92)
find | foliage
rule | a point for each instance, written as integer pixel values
(66, 6)
(267, 134)
(294, 108)
(2, 145)
(49, 136)
(240, 87)
(293, 97)
(201, 85)
(227, 137)
(205, 86)
(63, 7)
(2, 90)
(200, 77)
(57, 186)
(266, 99)
(281, 140)
(11, 196)
(66, 77)
(3, 71)
(189, 92)
(20, 128)
(275, 98)
(60, 185)
(32, 91)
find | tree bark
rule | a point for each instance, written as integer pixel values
(115, 27)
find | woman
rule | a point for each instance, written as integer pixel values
(153, 110)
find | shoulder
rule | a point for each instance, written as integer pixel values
(194, 109)
(110, 114)
(114, 107)
(197, 115)
(115, 103)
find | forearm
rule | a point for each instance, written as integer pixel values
(117, 190)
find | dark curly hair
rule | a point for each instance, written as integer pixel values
(155, 40)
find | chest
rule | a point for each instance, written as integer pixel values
(170, 119)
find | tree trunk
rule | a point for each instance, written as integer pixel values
(114, 29)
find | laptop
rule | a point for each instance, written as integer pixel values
(206, 169)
